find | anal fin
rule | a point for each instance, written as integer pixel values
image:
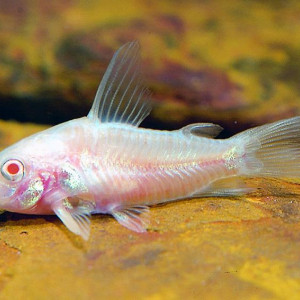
(134, 218)
(232, 186)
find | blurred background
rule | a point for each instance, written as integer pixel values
(236, 63)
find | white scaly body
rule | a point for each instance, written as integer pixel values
(125, 166)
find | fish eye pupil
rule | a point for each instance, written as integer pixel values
(13, 169)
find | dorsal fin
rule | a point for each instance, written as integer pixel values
(208, 130)
(121, 96)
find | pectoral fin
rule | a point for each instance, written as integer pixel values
(76, 219)
(134, 218)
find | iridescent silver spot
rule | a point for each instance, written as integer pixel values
(67, 204)
(33, 194)
(70, 179)
(79, 205)
(230, 158)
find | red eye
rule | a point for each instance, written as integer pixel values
(13, 170)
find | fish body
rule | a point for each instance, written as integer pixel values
(116, 165)
(105, 163)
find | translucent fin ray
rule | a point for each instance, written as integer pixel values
(232, 186)
(75, 219)
(273, 149)
(134, 218)
(121, 96)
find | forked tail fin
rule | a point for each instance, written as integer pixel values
(271, 150)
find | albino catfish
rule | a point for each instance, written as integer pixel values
(104, 163)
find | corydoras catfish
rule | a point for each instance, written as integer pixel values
(104, 163)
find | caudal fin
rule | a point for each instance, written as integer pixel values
(272, 150)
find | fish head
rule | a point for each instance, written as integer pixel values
(21, 186)
(37, 167)
(26, 173)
